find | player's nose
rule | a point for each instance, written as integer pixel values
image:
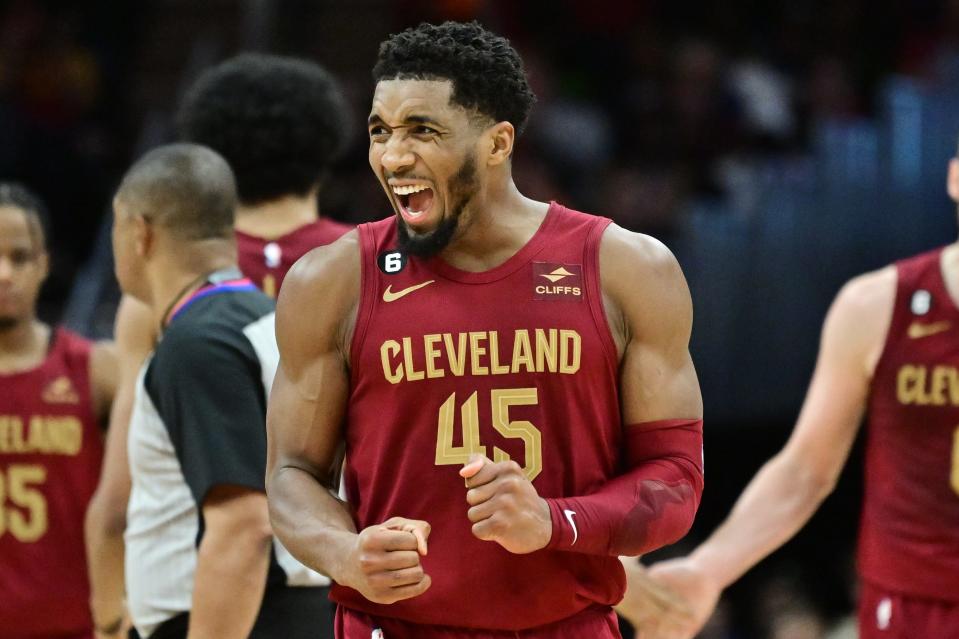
(397, 156)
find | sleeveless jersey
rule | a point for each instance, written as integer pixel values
(267, 262)
(517, 362)
(909, 534)
(50, 454)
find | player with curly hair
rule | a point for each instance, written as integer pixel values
(536, 352)
(280, 123)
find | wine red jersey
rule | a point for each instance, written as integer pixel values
(909, 536)
(267, 262)
(50, 454)
(517, 362)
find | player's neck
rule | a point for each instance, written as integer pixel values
(275, 218)
(501, 222)
(23, 346)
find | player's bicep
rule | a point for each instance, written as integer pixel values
(309, 395)
(658, 379)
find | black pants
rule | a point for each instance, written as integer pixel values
(289, 613)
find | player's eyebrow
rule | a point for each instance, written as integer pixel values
(410, 119)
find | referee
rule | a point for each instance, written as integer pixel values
(201, 557)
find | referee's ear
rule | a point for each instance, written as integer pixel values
(952, 180)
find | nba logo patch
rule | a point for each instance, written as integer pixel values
(552, 281)
(272, 255)
(377, 634)
(921, 302)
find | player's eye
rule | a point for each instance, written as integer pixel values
(424, 130)
(19, 258)
(378, 131)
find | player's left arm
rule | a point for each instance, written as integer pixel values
(104, 378)
(653, 502)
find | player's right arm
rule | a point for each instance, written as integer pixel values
(789, 488)
(315, 314)
(106, 515)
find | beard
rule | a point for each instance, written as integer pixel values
(462, 188)
(8, 323)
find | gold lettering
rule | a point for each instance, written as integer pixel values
(476, 352)
(456, 355)
(939, 381)
(546, 350)
(389, 350)
(906, 385)
(954, 386)
(495, 367)
(522, 352)
(412, 375)
(570, 350)
(432, 354)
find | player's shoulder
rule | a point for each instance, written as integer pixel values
(868, 294)
(636, 251)
(324, 265)
(635, 264)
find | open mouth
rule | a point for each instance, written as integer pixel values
(415, 201)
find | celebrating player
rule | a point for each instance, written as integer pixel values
(539, 353)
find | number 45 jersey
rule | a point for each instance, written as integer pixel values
(518, 363)
(50, 453)
(909, 534)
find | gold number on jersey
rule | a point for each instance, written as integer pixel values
(955, 461)
(447, 453)
(17, 488)
(269, 285)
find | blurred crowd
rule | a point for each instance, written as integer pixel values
(643, 105)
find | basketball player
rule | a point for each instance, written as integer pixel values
(202, 561)
(534, 351)
(889, 350)
(55, 390)
(280, 123)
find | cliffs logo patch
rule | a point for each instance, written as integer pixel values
(553, 281)
(60, 391)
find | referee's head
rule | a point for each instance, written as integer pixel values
(173, 212)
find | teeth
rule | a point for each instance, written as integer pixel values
(409, 190)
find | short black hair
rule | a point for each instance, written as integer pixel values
(186, 188)
(486, 71)
(16, 195)
(280, 122)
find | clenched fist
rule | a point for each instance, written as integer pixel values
(384, 562)
(505, 507)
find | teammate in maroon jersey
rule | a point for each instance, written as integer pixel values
(56, 389)
(889, 349)
(280, 123)
(539, 353)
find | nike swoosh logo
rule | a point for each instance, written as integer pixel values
(918, 330)
(569, 517)
(390, 296)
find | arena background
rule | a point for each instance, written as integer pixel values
(778, 148)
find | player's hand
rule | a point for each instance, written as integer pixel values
(651, 608)
(118, 629)
(384, 563)
(686, 580)
(504, 506)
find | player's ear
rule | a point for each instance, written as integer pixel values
(501, 137)
(144, 235)
(43, 259)
(952, 180)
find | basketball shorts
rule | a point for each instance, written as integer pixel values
(593, 623)
(884, 614)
